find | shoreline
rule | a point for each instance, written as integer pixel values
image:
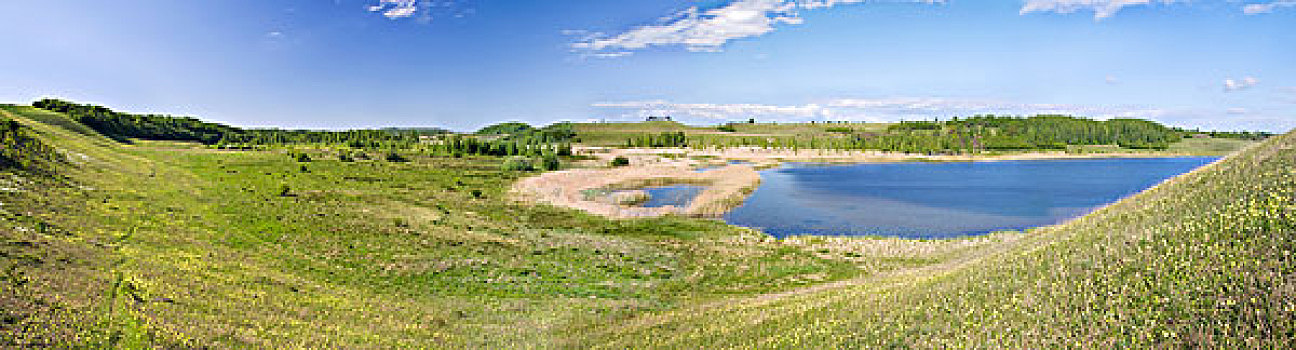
(601, 191)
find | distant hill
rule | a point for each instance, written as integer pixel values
(509, 128)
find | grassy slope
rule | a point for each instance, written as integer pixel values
(1205, 259)
(166, 243)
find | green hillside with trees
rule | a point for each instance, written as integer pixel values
(129, 231)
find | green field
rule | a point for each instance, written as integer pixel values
(174, 244)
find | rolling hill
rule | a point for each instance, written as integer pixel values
(172, 244)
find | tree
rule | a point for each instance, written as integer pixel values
(551, 162)
(509, 128)
(517, 164)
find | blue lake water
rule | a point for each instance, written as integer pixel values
(679, 195)
(936, 200)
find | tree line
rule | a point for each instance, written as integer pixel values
(967, 135)
(523, 140)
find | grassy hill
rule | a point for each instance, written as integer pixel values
(170, 244)
(1205, 259)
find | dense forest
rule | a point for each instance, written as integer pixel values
(522, 140)
(958, 136)
(123, 126)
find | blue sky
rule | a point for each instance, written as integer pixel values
(462, 64)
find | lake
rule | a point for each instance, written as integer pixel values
(678, 195)
(939, 200)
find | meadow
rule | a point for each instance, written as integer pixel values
(180, 244)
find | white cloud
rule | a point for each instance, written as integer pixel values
(707, 30)
(1236, 111)
(714, 112)
(1102, 9)
(1111, 80)
(1252, 9)
(871, 110)
(1231, 85)
(395, 8)
(421, 10)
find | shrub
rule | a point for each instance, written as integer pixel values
(285, 191)
(396, 157)
(476, 194)
(551, 162)
(726, 128)
(302, 157)
(517, 164)
(345, 156)
(620, 161)
(19, 149)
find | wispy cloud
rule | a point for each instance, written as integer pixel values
(395, 8)
(1102, 9)
(1231, 85)
(1252, 9)
(855, 109)
(421, 10)
(707, 30)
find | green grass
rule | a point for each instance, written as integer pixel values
(1209, 146)
(165, 244)
(188, 245)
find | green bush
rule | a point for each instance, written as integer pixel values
(345, 156)
(396, 157)
(285, 191)
(517, 164)
(19, 149)
(302, 157)
(551, 162)
(620, 161)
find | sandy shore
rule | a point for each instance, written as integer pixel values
(596, 190)
(611, 192)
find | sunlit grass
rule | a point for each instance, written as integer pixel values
(161, 244)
